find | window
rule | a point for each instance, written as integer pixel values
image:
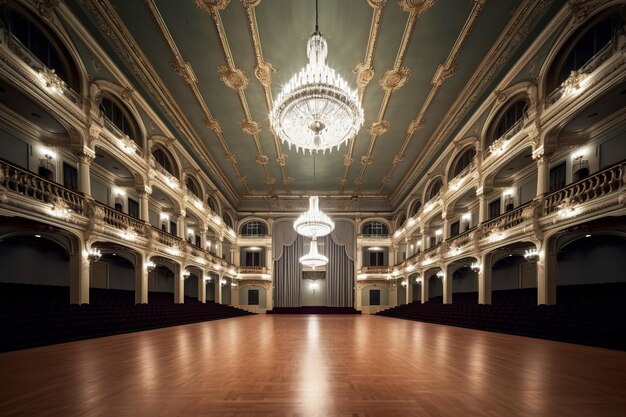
(254, 228)
(433, 241)
(434, 189)
(415, 207)
(173, 228)
(164, 160)
(557, 177)
(375, 229)
(198, 241)
(401, 221)
(253, 259)
(228, 220)
(513, 114)
(377, 259)
(192, 187)
(70, 177)
(455, 228)
(374, 297)
(133, 208)
(253, 297)
(494, 209)
(118, 205)
(211, 203)
(117, 116)
(464, 161)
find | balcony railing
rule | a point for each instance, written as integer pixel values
(375, 269)
(505, 221)
(253, 270)
(127, 144)
(599, 184)
(32, 61)
(123, 221)
(462, 238)
(26, 183)
(167, 239)
(498, 145)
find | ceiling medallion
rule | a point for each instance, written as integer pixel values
(316, 110)
(313, 259)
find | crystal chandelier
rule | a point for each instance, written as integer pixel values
(313, 222)
(316, 110)
(313, 259)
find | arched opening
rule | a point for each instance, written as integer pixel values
(401, 221)
(584, 46)
(165, 160)
(433, 189)
(228, 220)
(193, 186)
(435, 287)
(592, 258)
(212, 203)
(28, 32)
(509, 121)
(161, 281)
(254, 228)
(191, 283)
(463, 161)
(415, 207)
(375, 228)
(118, 116)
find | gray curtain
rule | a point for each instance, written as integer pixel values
(339, 275)
(288, 275)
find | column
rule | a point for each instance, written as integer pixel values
(180, 225)
(543, 175)
(393, 294)
(447, 286)
(482, 208)
(84, 176)
(446, 229)
(396, 261)
(358, 297)
(424, 240)
(236, 255)
(359, 258)
(484, 279)
(270, 296)
(141, 281)
(546, 277)
(179, 286)
(409, 290)
(145, 206)
(218, 289)
(218, 248)
(268, 258)
(201, 288)
(79, 279)
(202, 230)
(424, 288)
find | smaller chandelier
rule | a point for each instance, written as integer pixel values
(531, 254)
(313, 259)
(316, 110)
(94, 255)
(313, 222)
(475, 266)
(186, 274)
(440, 274)
(150, 266)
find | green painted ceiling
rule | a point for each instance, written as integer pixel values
(284, 27)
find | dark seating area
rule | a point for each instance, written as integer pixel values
(593, 314)
(314, 310)
(35, 315)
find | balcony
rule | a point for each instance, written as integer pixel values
(375, 270)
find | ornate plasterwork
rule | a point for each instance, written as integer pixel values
(208, 5)
(394, 79)
(263, 72)
(379, 128)
(214, 125)
(250, 127)
(46, 7)
(184, 70)
(233, 77)
(416, 7)
(367, 160)
(262, 159)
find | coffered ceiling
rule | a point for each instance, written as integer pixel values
(211, 69)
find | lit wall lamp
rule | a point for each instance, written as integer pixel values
(531, 255)
(475, 266)
(403, 283)
(94, 255)
(150, 266)
(207, 278)
(418, 280)
(441, 274)
(223, 281)
(186, 274)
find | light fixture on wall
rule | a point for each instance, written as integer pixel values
(403, 283)
(418, 280)
(313, 259)
(223, 281)
(475, 266)
(531, 255)
(186, 274)
(313, 222)
(207, 278)
(316, 110)
(150, 266)
(94, 255)
(440, 274)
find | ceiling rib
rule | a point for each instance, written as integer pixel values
(263, 72)
(392, 80)
(364, 74)
(235, 79)
(443, 72)
(185, 71)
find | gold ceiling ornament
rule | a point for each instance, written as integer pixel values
(250, 127)
(443, 73)
(415, 125)
(281, 160)
(232, 158)
(262, 159)
(394, 79)
(263, 72)
(416, 6)
(185, 71)
(397, 158)
(367, 159)
(270, 180)
(316, 110)
(207, 5)
(359, 181)
(347, 160)
(500, 96)
(364, 74)
(250, 3)
(214, 125)
(242, 179)
(379, 128)
(343, 181)
(377, 4)
(233, 77)
(288, 180)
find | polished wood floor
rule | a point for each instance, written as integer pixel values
(300, 366)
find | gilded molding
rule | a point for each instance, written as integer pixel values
(397, 158)
(415, 125)
(379, 128)
(270, 180)
(347, 160)
(263, 72)
(364, 74)
(233, 77)
(214, 125)
(208, 5)
(377, 4)
(394, 79)
(367, 159)
(250, 127)
(281, 160)
(416, 7)
(184, 70)
(46, 7)
(443, 73)
(262, 159)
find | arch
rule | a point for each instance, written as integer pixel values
(507, 119)
(165, 159)
(253, 227)
(414, 207)
(46, 42)
(400, 221)
(582, 44)
(433, 188)
(213, 204)
(461, 161)
(375, 228)
(194, 186)
(228, 219)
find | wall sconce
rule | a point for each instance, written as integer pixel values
(475, 266)
(403, 283)
(467, 217)
(438, 232)
(223, 281)
(94, 255)
(186, 274)
(150, 266)
(418, 280)
(313, 286)
(531, 255)
(207, 278)
(441, 274)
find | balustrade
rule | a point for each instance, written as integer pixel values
(123, 221)
(26, 183)
(505, 221)
(252, 269)
(375, 269)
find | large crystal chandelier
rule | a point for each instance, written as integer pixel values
(313, 259)
(313, 223)
(316, 110)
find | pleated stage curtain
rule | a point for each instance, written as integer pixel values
(339, 275)
(288, 247)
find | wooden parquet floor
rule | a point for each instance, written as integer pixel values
(322, 366)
